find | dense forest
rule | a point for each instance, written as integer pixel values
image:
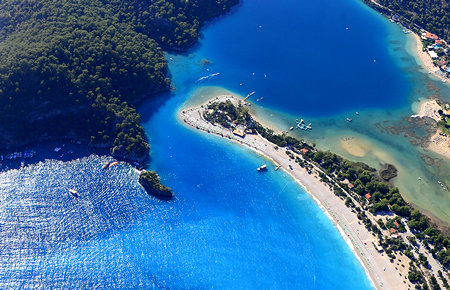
(432, 15)
(77, 67)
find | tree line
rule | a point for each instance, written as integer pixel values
(78, 67)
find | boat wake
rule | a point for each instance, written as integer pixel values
(207, 77)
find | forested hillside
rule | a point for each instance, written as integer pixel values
(432, 15)
(77, 67)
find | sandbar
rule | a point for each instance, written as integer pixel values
(382, 273)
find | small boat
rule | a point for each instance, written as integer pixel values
(262, 98)
(348, 119)
(22, 163)
(301, 121)
(444, 80)
(57, 149)
(262, 168)
(113, 163)
(278, 167)
(105, 165)
(309, 126)
(357, 113)
(73, 192)
(257, 100)
(429, 72)
(292, 128)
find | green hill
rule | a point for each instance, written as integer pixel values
(77, 68)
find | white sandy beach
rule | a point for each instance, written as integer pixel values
(383, 273)
(425, 58)
(439, 143)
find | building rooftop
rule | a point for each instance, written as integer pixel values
(433, 54)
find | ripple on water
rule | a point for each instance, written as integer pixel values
(39, 217)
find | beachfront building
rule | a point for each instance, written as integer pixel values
(433, 54)
(428, 35)
(239, 132)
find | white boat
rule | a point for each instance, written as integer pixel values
(57, 149)
(292, 128)
(262, 168)
(348, 119)
(73, 192)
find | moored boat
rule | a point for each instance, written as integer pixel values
(262, 168)
(73, 192)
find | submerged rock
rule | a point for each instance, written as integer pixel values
(152, 184)
(388, 171)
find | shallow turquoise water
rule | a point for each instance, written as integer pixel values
(228, 227)
(324, 61)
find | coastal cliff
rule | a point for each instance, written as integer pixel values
(152, 184)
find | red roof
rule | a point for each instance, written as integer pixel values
(392, 230)
(396, 224)
(304, 150)
(368, 195)
(350, 185)
(438, 42)
(431, 35)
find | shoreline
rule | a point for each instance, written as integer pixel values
(438, 143)
(380, 271)
(424, 58)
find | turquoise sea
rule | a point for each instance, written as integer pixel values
(228, 226)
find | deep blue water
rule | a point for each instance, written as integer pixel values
(228, 227)
(315, 59)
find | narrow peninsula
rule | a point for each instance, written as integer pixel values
(397, 245)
